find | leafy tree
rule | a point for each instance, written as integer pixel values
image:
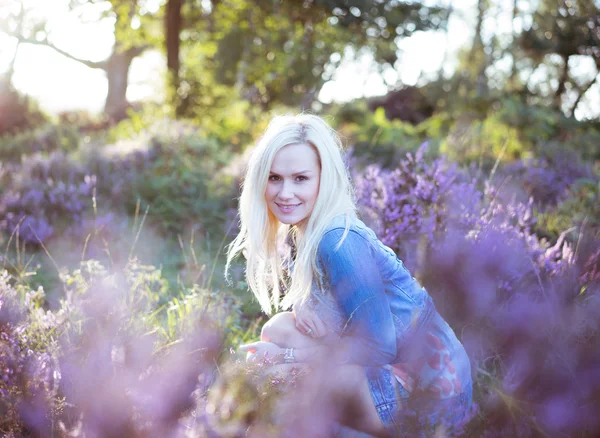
(283, 52)
(135, 31)
(537, 62)
(565, 28)
(468, 91)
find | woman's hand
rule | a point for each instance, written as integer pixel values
(308, 322)
(260, 350)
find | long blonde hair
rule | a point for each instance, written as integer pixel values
(261, 232)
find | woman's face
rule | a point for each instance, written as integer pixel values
(293, 183)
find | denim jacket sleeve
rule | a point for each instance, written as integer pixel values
(355, 282)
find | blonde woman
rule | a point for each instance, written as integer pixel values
(352, 300)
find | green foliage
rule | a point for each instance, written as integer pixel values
(194, 303)
(536, 124)
(153, 303)
(134, 24)
(511, 131)
(234, 126)
(377, 139)
(48, 138)
(562, 27)
(107, 314)
(280, 53)
(137, 121)
(542, 128)
(64, 133)
(183, 184)
(484, 141)
(541, 67)
(172, 168)
(580, 210)
(215, 108)
(584, 137)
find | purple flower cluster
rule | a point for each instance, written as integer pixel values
(526, 309)
(546, 179)
(36, 202)
(534, 343)
(413, 206)
(26, 376)
(408, 202)
(112, 373)
(174, 170)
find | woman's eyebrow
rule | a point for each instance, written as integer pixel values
(293, 174)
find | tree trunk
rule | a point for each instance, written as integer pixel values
(478, 50)
(173, 25)
(7, 77)
(211, 18)
(7, 83)
(582, 92)
(116, 67)
(449, 11)
(513, 68)
(477, 45)
(246, 58)
(117, 72)
(562, 80)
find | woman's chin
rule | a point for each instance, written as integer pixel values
(287, 220)
(290, 219)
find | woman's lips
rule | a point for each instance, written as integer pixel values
(287, 208)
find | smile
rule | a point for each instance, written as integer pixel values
(287, 208)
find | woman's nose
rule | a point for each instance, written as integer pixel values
(286, 191)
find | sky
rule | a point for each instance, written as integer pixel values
(59, 83)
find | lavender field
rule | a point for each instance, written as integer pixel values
(115, 318)
(125, 129)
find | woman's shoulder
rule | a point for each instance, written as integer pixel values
(350, 221)
(357, 233)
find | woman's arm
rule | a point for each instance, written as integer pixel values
(304, 354)
(369, 335)
(282, 329)
(281, 333)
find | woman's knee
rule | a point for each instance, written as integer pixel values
(352, 393)
(279, 329)
(349, 379)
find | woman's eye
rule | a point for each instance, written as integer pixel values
(302, 178)
(273, 178)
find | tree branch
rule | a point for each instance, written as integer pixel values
(583, 90)
(562, 80)
(240, 80)
(449, 11)
(11, 67)
(91, 64)
(513, 67)
(138, 50)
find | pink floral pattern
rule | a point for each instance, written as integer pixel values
(437, 365)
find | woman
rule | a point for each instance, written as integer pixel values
(353, 302)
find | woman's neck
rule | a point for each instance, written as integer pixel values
(300, 227)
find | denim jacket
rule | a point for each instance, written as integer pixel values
(388, 315)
